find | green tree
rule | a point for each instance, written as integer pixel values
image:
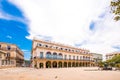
(101, 64)
(115, 7)
(115, 60)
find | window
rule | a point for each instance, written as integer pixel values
(72, 50)
(41, 54)
(61, 48)
(8, 55)
(12, 62)
(48, 55)
(69, 50)
(54, 55)
(60, 56)
(85, 58)
(77, 57)
(8, 47)
(73, 57)
(46, 45)
(8, 62)
(56, 47)
(5, 62)
(81, 57)
(69, 57)
(40, 44)
(66, 49)
(2, 62)
(88, 58)
(65, 57)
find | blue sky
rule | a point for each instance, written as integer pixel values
(65, 21)
(13, 31)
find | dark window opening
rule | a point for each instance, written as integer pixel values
(40, 44)
(56, 47)
(69, 50)
(8, 47)
(61, 48)
(46, 45)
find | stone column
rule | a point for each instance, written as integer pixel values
(44, 65)
(44, 54)
(37, 64)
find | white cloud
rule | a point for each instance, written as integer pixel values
(68, 21)
(8, 36)
(24, 50)
(6, 16)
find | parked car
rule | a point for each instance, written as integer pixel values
(107, 68)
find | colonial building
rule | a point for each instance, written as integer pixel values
(111, 55)
(97, 58)
(10, 55)
(46, 54)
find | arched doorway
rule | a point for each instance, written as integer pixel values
(80, 64)
(54, 64)
(48, 64)
(65, 64)
(86, 64)
(40, 65)
(60, 64)
(76, 64)
(83, 64)
(69, 64)
(73, 64)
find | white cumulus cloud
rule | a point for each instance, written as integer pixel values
(68, 21)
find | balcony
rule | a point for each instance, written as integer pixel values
(51, 58)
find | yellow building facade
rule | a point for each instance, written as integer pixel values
(111, 55)
(46, 54)
(10, 55)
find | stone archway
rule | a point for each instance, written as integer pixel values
(77, 64)
(69, 64)
(65, 64)
(80, 64)
(73, 64)
(87, 64)
(48, 64)
(83, 64)
(54, 64)
(60, 64)
(41, 65)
